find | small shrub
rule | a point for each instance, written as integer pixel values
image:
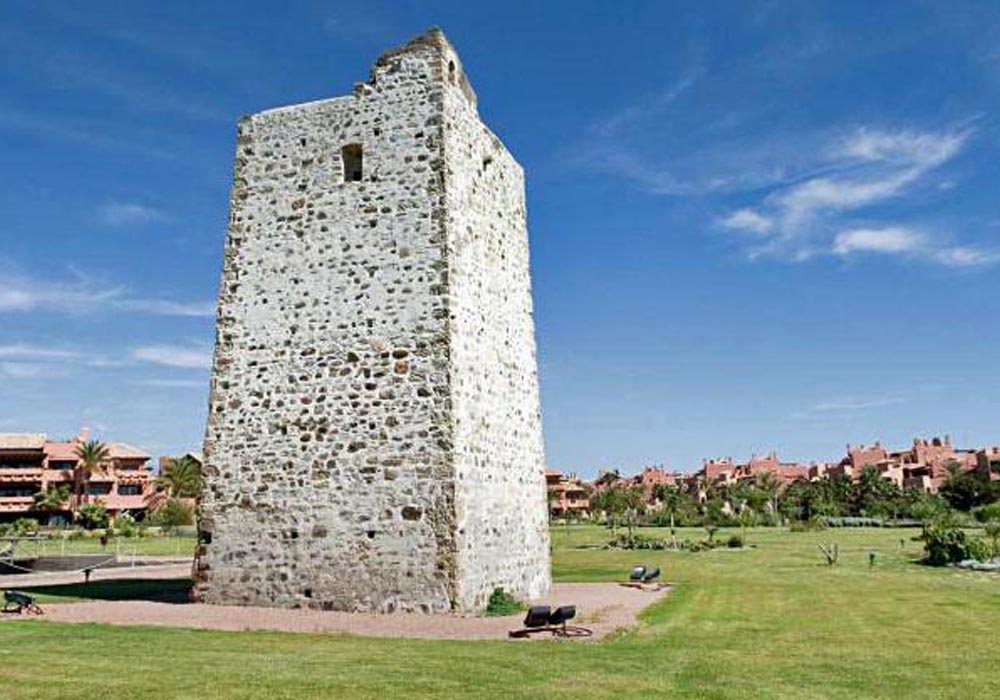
(816, 523)
(625, 541)
(734, 542)
(24, 527)
(978, 549)
(502, 603)
(993, 532)
(93, 516)
(125, 526)
(172, 514)
(987, 513)
(950, 545)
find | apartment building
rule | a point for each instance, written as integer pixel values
(567, 496)
(31, 465)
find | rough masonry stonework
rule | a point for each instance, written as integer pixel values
(374, 435)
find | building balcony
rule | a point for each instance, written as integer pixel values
(59, 476)
(565, 504)
(132, 477)
(16, 504)
(117, 502)
(21, 474)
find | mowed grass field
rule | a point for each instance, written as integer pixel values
(166, 546)
(765, 623)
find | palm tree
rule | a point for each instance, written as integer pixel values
(91, 456)
(181, 478)
(770, 486)
(52, 500)
(633, 501)
(672, 499)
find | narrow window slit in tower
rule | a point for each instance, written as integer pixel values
(351, 157)
(451, 72)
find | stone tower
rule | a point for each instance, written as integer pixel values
(374, 439)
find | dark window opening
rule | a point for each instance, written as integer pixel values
(351, 156)
(451, 72)
(129, 489)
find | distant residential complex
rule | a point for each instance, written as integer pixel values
(925, 466)
(31, 465)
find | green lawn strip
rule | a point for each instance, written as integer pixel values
(124, 547)
(772, 622)
(165, 590)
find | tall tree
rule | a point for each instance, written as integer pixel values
(181, 478)
(92, 456)
(770, 487)
(874, 495)
(672, 499)
(966, 490)
(633, 501)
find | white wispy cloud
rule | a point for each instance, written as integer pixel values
(830, 191)
(648, 106)
(31, 360)
(165, 307)
(130, 214)
(24, 293)
(103, 136)
(894, 239)
(22, 351)
(864, 169)
(965, 256)
(867, 167)
(183, 357)
(30, 370)
(159, 383)
(748, 220)
(905, 242)
(855, 404)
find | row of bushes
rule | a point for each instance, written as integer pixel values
(91, 517)
(636, 541)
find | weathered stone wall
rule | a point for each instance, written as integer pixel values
(499, 461)
(343, 461)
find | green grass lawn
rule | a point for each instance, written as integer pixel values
(140, 546)
(770, 622)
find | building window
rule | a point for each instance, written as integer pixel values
(451, 72)
(100, 489)
(62, 464)
(351, 157)
(129, 489)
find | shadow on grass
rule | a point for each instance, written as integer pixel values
(157, 590)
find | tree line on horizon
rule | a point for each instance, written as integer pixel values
(765, 500)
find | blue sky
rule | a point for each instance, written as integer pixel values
(755, 226)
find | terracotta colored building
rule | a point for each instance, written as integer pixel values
(567, 495)
(30, 465)
(988, 462)
(924, 466)
(725, 471)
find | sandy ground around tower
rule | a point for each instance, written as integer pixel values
(601, 607)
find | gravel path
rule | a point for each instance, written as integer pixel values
(601, 607)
